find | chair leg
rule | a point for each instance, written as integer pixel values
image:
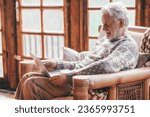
(147, 89)
(112, 95)
(80, 88)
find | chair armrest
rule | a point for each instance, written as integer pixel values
(27, 66)
(108, 80)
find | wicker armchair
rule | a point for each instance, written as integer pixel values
(131, 84)
(126, 85)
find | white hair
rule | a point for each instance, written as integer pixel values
(117, 10)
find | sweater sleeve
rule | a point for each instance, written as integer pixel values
(123, 57)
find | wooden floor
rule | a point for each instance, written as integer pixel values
(6, 95)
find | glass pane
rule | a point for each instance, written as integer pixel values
(53, 46)
(53, 2)
(128, 3)
(0, 19)
(32, 43)
(131, 14)
(92, 44)
(31, 20)
(53, 21)
(1, 67)
(30, 2)
(94, 22)
(97, 3)
(0, 43)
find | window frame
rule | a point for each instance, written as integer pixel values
(20, 32)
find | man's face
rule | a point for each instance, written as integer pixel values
(110, 26)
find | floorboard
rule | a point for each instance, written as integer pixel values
(6, 95)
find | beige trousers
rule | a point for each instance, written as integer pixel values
(34, 86)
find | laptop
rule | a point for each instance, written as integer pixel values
(43, 68)
(40, 65)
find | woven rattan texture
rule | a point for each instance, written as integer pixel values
(130, 91)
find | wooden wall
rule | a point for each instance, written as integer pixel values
(9, 32)
(78, 25)
(143, 13)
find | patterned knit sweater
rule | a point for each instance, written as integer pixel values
(107, 57)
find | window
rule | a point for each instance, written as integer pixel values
(94, 19)
(1, 54)
(41, 24)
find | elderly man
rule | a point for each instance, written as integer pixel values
(115, 52)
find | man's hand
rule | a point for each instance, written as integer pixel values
(59, 80)
(50, 64)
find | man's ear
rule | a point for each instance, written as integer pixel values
(122, 23)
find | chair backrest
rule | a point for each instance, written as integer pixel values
(136, 32)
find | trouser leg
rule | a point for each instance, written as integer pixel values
(26, 76)
(38, 87)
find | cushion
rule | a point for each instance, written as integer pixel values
(143, 59)
(145, 46)
(70, 54)
(98, 94)
(137, 37)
